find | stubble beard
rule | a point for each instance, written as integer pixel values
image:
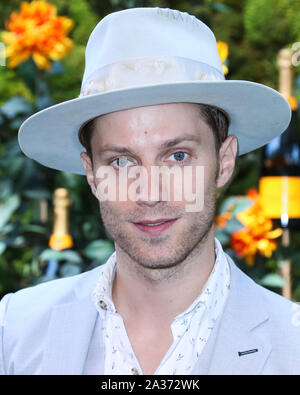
(165, 251)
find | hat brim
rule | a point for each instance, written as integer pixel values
(257, 115)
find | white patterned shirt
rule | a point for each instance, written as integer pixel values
(190, 329)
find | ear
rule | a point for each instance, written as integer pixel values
(227, 158)
(87, 164)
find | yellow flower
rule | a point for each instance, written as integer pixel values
(37, 30)
(223, 53)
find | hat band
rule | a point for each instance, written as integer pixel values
(148, 71)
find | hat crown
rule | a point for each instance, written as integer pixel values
(144, 57)
(149, 32)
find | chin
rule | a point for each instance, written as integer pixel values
(154, 261)
(158, 255)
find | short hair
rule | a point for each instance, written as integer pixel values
(214, 117)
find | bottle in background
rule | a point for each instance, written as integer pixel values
(60, 238)
(279, 184)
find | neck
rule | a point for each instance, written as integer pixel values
(150, 297)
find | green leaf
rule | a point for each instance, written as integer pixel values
(15, 106)
(5, 188)
(273, 280)
(71, 256)
(239, 203)
(219, 7)
(69, 180)
(222, 236)
(226, 204)
(7, 208)
(28, 72)
(37, 194)
(43, 279)
(65, 255)
(99, 250)
(29, 171)
(69, 269)
(2, 247)
(242, 204)
(14, 241)
(12, 148)
(44, 102)
(295, 258)
(233, 225)
(15, 166)
(48, 254)
(56, 68)
(16, 122)
(35, 229)
(9, 227)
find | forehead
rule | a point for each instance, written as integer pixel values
(150, 124)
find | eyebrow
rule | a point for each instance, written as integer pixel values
(166, 144)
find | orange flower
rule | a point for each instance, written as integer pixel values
(246, 244)
(221, 220)
(293, 102)
(36, 30)
(257, 235)
(252, 193)
(223, 53)
(242, 244)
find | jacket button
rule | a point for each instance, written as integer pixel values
(102, 304)
(134, 371)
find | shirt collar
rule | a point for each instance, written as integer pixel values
(217, 282)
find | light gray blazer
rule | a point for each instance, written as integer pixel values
(46, 329)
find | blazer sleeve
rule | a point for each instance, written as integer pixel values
(3, 308)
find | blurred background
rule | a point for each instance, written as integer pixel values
(50, 225)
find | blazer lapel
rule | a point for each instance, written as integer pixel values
(70, 330)
(239, 344)
(238, 350)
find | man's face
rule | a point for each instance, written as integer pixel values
(138, 137)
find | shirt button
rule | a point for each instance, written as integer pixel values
(134, 371)
(102, 304)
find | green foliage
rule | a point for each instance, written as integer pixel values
(255, 30)
(19, 239)
(100, 250)
(85, 20)
(274, 22)
(66, 86)
(12, 85)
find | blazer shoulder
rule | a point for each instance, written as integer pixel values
(26, 315)
(40, 298)
(283, 331)
(272, 301)
(283, 314)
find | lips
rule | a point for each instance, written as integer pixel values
(157, 221)
(156, 227)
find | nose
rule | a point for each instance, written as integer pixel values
(149, 203)
(159, 184)
(149, 187)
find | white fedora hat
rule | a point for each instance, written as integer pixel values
(146, 56)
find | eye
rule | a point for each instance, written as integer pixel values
(179, 156)
(122, 161)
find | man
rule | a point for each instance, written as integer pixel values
(169, 300)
